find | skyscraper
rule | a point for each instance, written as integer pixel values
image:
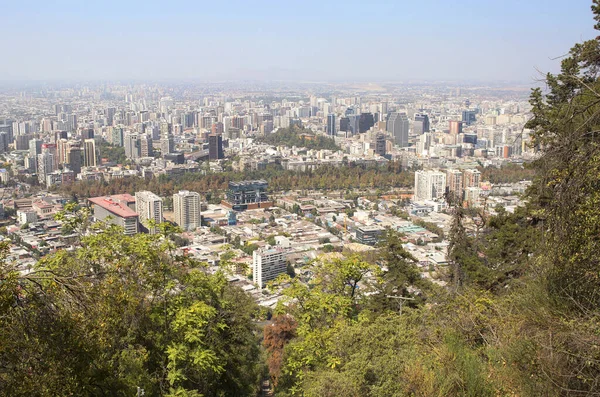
(149, 208)
(45, 163)
(380, 143)
(89, 153)
(186, 207)
(421, 124)
(365, 122)
(455, 127)
(74, 158)
(118, 135)
(132, 146)
(397, 125)
(331, 124)
(146, 148)
(215, 147)
(469, 116)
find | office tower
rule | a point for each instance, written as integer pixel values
(365, 122)
(469, 116)
(146, 148)
(429, 185)
(89, 153)
(132, 146)
(471, 178)
(455, 127)
(384, 111)
(353, 124)
(167, 145)
(238, 122)
(380, 143)
(186, 208)
(215, 147)
(149, 208)
(22, 141)
(117, 210)
(266, 127)
(118, 136)
(74, 158)
(267, 264)
(58, 135)
(35, 147)
(397, 125)
(4, 141)
(110, 114)
(331, 124)
(455, 184)
(344, 124)
(87, 133)
(421, 124)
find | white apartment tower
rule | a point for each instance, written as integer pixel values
(186, 206)
(267, 264)
(429, 185)
(149, 207)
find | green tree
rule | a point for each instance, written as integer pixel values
(122, 312)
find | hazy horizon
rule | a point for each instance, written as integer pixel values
(311, 42)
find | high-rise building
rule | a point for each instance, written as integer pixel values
(384, 111)
(74, 158)
(35, 147)
(397, 125)
(87, 133)
(46, 165)
(429, 185)
(455, 127)
(217, 128)
(215, 147)
(267, 264)
(344, 124)
(331, 131)
(132, 146)
(421, 124)
(454, 184)
(365, 122)
(380, 143)
(149, 208)
(89, 153)
(471, 178)
(118, 136)
(186, 208)
(167, 140)
(469, 116)
(146, 148)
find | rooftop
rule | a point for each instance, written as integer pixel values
(116, 204)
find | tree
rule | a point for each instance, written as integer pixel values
(121, 312)
(276, 336)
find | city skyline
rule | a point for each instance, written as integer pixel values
(272, 41)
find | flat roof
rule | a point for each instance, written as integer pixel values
(114, 205)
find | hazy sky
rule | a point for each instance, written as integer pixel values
(288, 40)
